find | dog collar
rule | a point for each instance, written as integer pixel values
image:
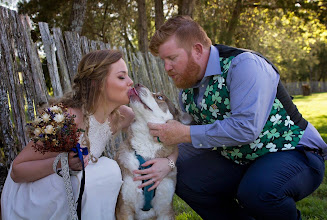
(148, 195)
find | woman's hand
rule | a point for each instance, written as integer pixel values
(154, 174)
(75, 163)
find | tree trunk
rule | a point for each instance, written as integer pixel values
(186, 7)
(142, 26)
(77, 15)
(159, 17)
(232, 24)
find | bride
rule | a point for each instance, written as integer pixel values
(33, 191)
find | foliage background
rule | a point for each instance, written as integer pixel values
(291, 33)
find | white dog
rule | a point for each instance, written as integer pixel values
(155, 108)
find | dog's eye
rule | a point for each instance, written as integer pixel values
(160, 97)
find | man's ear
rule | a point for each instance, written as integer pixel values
(197, 50)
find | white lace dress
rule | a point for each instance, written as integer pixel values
(46, 198)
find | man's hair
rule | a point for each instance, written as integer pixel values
(186, 30)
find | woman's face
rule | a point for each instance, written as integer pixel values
(118, 83)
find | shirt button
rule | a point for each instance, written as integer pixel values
(202, 85)
(200, 145)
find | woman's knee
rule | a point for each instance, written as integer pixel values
(110, 170)
(114, 169)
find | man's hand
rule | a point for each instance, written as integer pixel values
(170, 133)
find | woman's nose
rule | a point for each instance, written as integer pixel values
(130, 83)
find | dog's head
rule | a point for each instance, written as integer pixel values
(152, 107)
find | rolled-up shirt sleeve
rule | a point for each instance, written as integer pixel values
(252, 83)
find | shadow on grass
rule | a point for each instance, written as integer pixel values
(299, 97)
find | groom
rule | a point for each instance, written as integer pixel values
(250, 152)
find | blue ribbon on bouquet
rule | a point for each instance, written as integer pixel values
(80, 152)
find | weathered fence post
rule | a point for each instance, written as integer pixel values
(74, 52)
(39, 85)
(9, 75)
(10, 147)
(49, 49)
(62, 59)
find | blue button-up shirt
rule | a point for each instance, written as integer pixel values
(252, 83)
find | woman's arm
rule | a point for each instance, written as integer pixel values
(174, 155)
(30, 165)
(157, 172)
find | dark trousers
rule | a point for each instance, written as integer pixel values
(217, 188)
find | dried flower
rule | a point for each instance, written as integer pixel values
(46, 117)
(37, 131)
(59, 118)
(37, 119)
(55, 109)
(48, 129)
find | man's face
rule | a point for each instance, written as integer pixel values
(179, 64)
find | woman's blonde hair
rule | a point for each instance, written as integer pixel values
(186, 30)
(89, 86)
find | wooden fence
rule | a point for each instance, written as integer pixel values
(22, 84)
(305, 88)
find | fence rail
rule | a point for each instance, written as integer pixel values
(23, 87)
(304, 88)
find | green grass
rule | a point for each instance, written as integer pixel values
(314, 109)
(314, 207)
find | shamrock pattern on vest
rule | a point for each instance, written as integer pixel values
(279, 133)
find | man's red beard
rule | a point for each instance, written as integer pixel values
(189, 77)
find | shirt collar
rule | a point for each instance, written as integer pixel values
(213, 66)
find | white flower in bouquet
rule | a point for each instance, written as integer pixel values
(37, 131)
(55, 109)
(46, 117)
(37, 120)
(48, 129)
(59, 118)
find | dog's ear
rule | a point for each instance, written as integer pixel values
(172, 108)
(185, 118)
(178, 115)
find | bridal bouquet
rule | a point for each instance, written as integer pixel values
(54, 130)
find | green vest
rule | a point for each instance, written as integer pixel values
(279, 133)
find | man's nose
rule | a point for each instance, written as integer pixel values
(168, 66)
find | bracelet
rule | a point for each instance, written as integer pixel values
(171, 163)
